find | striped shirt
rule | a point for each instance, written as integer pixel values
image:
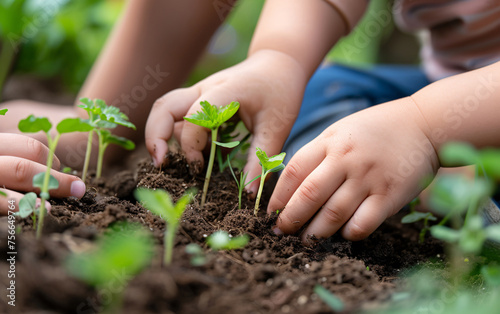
(457, 35)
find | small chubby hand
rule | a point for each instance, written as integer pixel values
(358, 172)
(21, 158)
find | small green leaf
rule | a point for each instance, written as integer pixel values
(113, 115)
(3, 112)
(220, 240)
(329, 298)
(160, 203)
(212, 117)
(277, 168)
(490, 160)
(2, 193)
(491, 274)
(108, 137)
(39, 178)
(417, 216)
(34, 124)
(228, 145)
(252, 179)
(74, 125)
(272, 162)
(87, 104)
(27, 204)
(444, 233)
(458, 154)
(67, 170)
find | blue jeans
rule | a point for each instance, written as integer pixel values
(337, 91)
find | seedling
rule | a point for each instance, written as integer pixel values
(160, 203)
(44, 180)
(102, 118)
(269, 164)
(27, 206)
(197, 256)
(415, 216)
(242, 147)
(3, 112)
(212, 118)
(123, 252)
(220, 240)
(241, 182)
(329, 298)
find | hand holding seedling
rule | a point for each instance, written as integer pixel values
(268, 86)
(354, 176)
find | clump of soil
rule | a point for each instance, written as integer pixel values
(270, 275)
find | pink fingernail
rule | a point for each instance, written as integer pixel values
(77, 189)
(277, 231)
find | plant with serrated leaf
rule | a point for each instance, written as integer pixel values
(44, 180)
(103, 118)
(121, 253)
(212, 117)
(241, 183)
(269, 165)
(160, 203)
(221, 240)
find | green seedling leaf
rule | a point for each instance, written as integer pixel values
(444, 233)
(277, 168)
(472, 235)
(109, 138)
(34, 124)
(220, 240)
(458, 154)
(490, 160)
(74, 125)
(27, 205)
(417, 216)
(491, 274)
(329, 298)
(121, 253)
(2, 193)
(3, 112)
(493, 232)
(160, 203)
(67, 170)
(212, 117)
(38, 181)
(269, 163)
(228, 145)
(87, 103)
(114, 115)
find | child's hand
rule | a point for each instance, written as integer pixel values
(269, 87)
(21, 158)
(357, 173)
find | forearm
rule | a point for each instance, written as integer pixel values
(150, 52)
(464, 107)
(305, 30)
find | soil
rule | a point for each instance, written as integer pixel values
(270, 275)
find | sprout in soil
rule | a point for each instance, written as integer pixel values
(415, 216)
(197, 256)
(160, 203)
(241, 182)
(44, 180)
(243, 146)
(212, 118)
(329, 298)
(102, 118)
(27, 206)
(221, 240)
(269, 164)
(123, 252)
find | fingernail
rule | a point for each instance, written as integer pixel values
(78, 189)
(38, 202)
(155, 162)
(277, 231)
(48, 206)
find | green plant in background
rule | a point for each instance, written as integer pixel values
(329, 298)
(102, 118)
(121, 253)
(269, 164)
(221, 240)
(44, 180)
(160, 203)
(212, 118)
(197, 256)
(3, 112)
(241, 182)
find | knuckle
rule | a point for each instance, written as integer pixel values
(291, 172)
(22, 170)
(333, 215)
(309, 191)
(355, 232)
(37, 150)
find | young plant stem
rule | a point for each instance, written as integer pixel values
(209, 168)
(6, 57)
(100, 156)
(169, 243)
(45, 187)
(259, 193)
(87, 156)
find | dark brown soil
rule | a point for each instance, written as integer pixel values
(270, 275)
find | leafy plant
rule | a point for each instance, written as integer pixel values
(212, 118)
(415, 216)
(123, 252)
(27, 206)
(44, 180)
(160, 203)
(102, 118)
(241, 182)
(221, 240)
(269, 164)
(242, 147)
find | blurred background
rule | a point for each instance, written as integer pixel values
(48, 47)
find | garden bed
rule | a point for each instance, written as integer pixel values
(270, 275)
